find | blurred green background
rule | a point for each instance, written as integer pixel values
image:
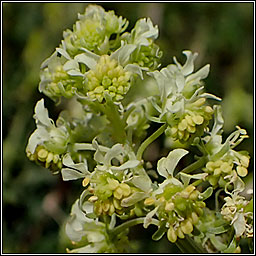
(36, 203)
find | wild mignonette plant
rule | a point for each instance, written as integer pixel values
(114, 77)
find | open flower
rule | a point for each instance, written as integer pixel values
(182, 103)
(47, 143)
(90, 235)
(178, 205)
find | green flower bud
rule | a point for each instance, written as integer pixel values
(241, 171)
(179, 233)
(171, 235)
(186, 226)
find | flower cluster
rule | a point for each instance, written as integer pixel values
(237, 211)
(88, 236)
(180, 208)
(48, 143)
(183, 105)
(93, 31)
(115, 94)
(77, 66)
(107, 78)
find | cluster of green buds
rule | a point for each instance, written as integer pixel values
(70, 69)
(45, 158)
(107, 78)
(179, 207)
(192, 123)
(219, 171)
(55, 79)
(109, 194)
(93, 31)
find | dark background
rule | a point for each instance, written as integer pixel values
(35, 203)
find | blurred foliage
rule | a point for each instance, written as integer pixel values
(36, 203)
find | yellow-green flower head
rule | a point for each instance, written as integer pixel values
(191, 123)
(179, 207)
(108, 77)
(182, 103)
(110, 194)
(93, 30)
(220, 171)
(47, 143)
(55, 78)
(143, 35)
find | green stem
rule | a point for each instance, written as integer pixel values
(149, 140)
(196, 183)
(188, 245)
(196, 165)
(131, 223)
(116, 123)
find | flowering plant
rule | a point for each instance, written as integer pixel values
(100, 68)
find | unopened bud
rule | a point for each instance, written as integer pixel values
(186, 227)
(241, 171)
(85, 182)
(118, 193)
(149, 201)
(126, 190)
(93, 199)
(171, 235)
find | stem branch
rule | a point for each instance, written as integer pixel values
(149, 140)
(196, 165)
(131, 223)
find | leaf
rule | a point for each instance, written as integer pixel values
(218, 230)
(231, 247)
